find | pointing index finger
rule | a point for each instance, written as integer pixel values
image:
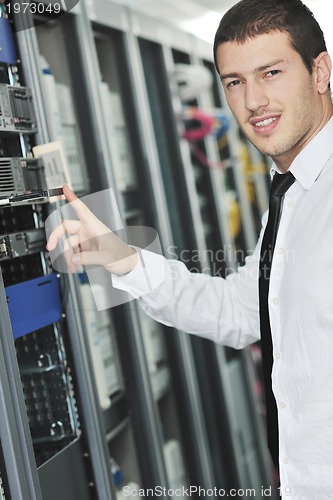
(68, 193)
(81, 210)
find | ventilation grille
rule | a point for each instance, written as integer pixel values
(7, 182)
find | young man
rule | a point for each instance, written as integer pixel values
(275, 70)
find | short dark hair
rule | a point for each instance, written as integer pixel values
(249, 18)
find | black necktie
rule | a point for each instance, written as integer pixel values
(280, 185)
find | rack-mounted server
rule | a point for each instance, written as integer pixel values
(22, 243)
(16, 110)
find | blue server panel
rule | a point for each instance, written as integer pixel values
(34, 304)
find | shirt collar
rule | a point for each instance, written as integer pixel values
(309, 163)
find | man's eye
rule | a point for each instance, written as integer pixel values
(273, 72)
(234, 83)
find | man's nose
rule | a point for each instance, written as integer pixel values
(255, 96)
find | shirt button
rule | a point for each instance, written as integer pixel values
(286, 460)
(281, 251)
(276, 301)
(282, 405)
(290, 204)
(278, 355)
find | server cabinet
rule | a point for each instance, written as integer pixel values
(38, 412)
(189, 238)
(117, 53)
(63, 431)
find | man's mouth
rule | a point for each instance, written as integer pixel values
(265, 123)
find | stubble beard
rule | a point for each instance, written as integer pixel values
(285, 146)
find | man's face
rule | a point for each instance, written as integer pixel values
(271, 94)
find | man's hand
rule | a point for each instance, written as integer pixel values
(87, 241)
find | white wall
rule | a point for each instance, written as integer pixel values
(323, 12)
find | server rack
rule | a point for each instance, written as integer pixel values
(139, 209)
(53, 374)
(18, 178)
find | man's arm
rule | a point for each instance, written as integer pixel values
(225, 311)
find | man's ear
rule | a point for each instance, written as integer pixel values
(322, 67)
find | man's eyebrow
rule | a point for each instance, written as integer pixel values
(268, 65)
(229, 75)
(224, 76)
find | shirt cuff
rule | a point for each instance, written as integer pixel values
(147, 275)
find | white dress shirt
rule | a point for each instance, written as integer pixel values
(301, 314)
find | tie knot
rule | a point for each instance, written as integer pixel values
(281, 183)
